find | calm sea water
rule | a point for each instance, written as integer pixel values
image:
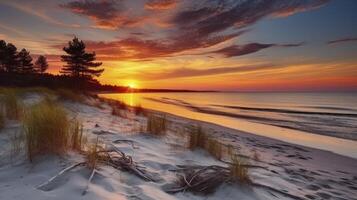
(321, 120)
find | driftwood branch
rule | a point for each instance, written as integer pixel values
(119, 160)
(200, 179)
(59, 174)
(89, 181)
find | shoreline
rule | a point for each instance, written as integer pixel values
(279, 170)
(309, 172)
(339, 145)
(247, 134)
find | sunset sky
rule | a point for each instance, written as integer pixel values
(238, 45)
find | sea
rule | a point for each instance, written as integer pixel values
(324, 120)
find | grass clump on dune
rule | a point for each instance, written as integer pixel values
(214, 148)
(92, 154)
(11, 104)
(139, 110)
(70, 95)
(239, 170)
(197, 138)
(156, 124)
(49, 130)
(2, 119)
(76, 131)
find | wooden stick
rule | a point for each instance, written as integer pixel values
(89, 182)
(59, 174)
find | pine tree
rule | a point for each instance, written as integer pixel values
(41, 64)
(80, 64)
(25, 62)
(2, 55)
(10, 61)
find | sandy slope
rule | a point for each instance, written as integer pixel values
(304, 173)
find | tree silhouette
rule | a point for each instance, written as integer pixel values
(80, 63)
(41, 64)
(8, 57)
(2, 54)
(24, 62)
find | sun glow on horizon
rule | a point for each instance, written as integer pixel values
(132, 83)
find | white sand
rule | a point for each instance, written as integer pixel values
(300, 171)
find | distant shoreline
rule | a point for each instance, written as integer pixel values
(153, 91)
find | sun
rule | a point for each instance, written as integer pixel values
(132, 84)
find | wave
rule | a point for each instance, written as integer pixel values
(341, 125)
(275, 110)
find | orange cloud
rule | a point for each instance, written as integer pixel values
(160, 4)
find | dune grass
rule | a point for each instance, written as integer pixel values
(117, 112)
(239, 170)
(49, 130)
(77, 139)
(156, 124)
(70, 95)
(197, 138)
(139, 110)
(119, 106)
(215, 148)
(92, 155)
(11, 104)
(39, 90)
(2, 118)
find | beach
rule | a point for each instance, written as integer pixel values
(278, 170)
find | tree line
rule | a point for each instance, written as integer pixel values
(12, 61)
(79, 64)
